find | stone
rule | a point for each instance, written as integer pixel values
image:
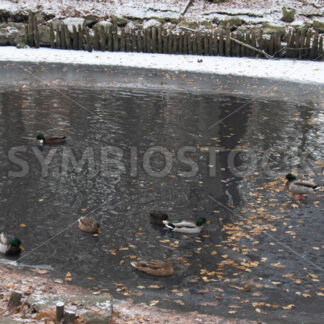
(11, 35)
(71, 21)
(3, 36)
(90, 20)
(44, 35)
(216, 1)
(288, 16)
(235, 21)
(96, 308)
(151, 23)
(119, 21)
(207, 24)
(189, 24)
(318, 26)
(271, 29)
(104, 23)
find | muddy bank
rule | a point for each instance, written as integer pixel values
(36, 281)
(296, 32)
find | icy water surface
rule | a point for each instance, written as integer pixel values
(261, 255)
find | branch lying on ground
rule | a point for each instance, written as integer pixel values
(266, 55)
(189, 2)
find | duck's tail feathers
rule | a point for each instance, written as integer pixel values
(316, 188)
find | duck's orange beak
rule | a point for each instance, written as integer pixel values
(21, 247)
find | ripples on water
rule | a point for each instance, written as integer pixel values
(135, 120)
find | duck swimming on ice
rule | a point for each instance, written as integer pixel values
(300, 187)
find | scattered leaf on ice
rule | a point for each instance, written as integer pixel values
(154, 302)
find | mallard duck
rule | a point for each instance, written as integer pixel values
(157, 217)
(300, 186)
(89, 224)
(42, 140)
(186, 226)
(10, 247)
(154, 267)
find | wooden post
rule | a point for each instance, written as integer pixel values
(154, 42)
(69, 317)
(75, 38)
(134, 41)
(58, 37)
(147, 47)
(206, 44)
(102, 38)
(314, 50)
(221, 42)
(228, 41)
(160, 44)
(302, 43)
(253, 42)
(248, 52)
(190, 44)
(110, 38)
(63, 41)
(180, 45)
(139, 41)
(260, 41)
(170, 42)
(115, 37)
(215, 43)
(80, 34)
(122, 40)
(277, 41)
(89, 41)
(164, 41)
(128, 41)
(194, 43)
(59, 311)
(36, 34)
(175, 44)
(290, 41)
(30, 29)
(15, 299)
(185, 43)
(52, 36)
(272, 44)
(199, 45)
(96, 40)
(321, 50)
(67, 37)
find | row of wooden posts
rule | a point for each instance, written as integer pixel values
(300, 44)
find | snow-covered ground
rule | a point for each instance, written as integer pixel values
(299, 71)
(250, 11)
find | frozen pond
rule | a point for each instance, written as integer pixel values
(262, 254)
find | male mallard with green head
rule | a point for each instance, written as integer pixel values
(42, 140)
(154, 267)
(300, 187)
(10, 246)
(185, 226)
(89, 224)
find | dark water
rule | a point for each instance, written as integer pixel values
(286, 135)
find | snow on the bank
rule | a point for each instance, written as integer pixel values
(269, 11)
(299, 71)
